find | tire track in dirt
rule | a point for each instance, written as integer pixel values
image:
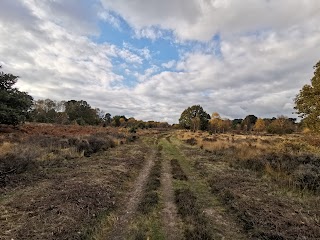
(169, 214)
(224, 225)
(131, 201)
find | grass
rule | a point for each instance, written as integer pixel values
(226, 186)
(47, 185)
(262, 181)
(191, 193)
(151, 195)
(197, 226)
(147, 227)
(177, 172)
(147, 223)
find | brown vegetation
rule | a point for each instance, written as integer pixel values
(49, 187)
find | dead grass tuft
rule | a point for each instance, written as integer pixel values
(197, 226)
(262, 214)
(177, 172)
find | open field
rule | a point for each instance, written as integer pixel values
(72, 182)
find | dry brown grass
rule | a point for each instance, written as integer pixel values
(288, 159)
(49, 186)
(249, 146)
(270, 184)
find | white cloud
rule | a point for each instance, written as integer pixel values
(169, 64)
(148, 32)
(202, 19)
(110, 18)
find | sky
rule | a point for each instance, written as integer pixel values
(151, 59)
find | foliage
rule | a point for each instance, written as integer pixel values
(118, 120)
(194, 118)
(217, 124)
(248, 122)
(14, 105)
(282, 125)
(307, 101)
(236, 123)
(81, 112)
(260, 125)
(47, 111)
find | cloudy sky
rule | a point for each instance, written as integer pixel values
(152, 59)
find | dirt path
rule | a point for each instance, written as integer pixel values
(222, 224)
(131, 201)
(169, 213)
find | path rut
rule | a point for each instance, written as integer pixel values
(169, 214)
(131, 201)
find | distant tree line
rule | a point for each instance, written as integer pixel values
(195, 118)
(307, 104)
(81, 113)
(17, 107)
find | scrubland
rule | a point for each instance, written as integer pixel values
(57, 181)
(75, 182)
(269, 183)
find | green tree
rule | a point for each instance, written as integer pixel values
(248, 122)
(44, 111)
(188, 118)
(14, 105)
(118, 120)
(308, 102)
(81, 112)
(107, 119)
(236, 123)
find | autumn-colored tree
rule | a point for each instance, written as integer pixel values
(225, 125)
(260, 125)
(308, 102)
(282, 125)
(215, 122)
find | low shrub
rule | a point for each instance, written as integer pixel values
(307, 176)
(211, 139)
(17, 162)
(177, 172)
(197, 226)
(191, 141)
(303, 169)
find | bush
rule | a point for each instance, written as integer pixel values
(18, 162)
(92, 145)
(307, 177)
(303, 170)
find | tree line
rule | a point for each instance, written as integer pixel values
(195, 118)
(17, 107)
(81, 113)
(307, 104)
